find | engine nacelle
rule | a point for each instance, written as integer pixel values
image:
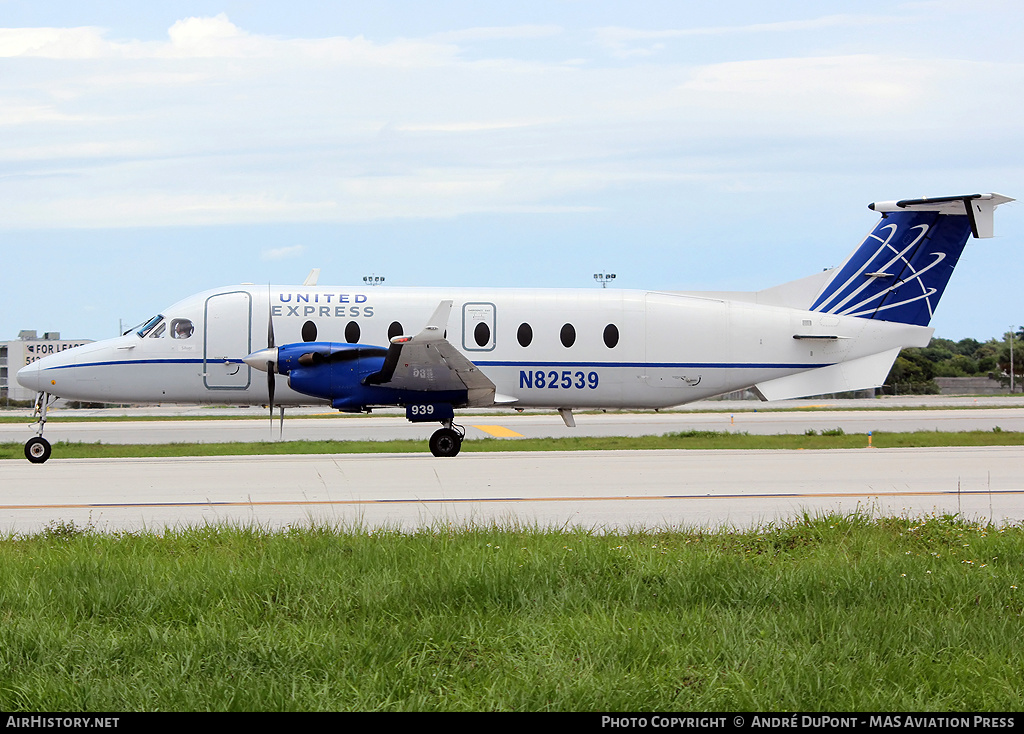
(332, 371)
(340, 372)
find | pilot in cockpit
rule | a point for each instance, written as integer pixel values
(182, 329)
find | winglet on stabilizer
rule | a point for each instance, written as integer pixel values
(437, 323)
(977, 207)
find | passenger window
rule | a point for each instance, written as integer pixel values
(525, 335)
(568, 335)
(394, 330)
(181, 329)
(352, 332)
(482, 334)
(309, 332)
(611, 336)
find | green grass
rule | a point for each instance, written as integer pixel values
(824, 614)
(829, 439)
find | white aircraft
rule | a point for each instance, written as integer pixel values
(434, 350)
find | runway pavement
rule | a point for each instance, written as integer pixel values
(611, 490)
(598, 490)
(507, 424)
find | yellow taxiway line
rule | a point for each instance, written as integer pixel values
(499, 431)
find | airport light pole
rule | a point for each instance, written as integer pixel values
(604, 278)
(373, 279)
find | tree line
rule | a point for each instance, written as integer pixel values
(915, 369)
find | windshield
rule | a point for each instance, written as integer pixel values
(145, 327)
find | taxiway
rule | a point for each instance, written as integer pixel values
(301, 426)
(603, 490)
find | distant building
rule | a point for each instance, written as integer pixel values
(978, 385)
(27, 348)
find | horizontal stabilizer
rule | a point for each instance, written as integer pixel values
(978, 208)
(857, 374)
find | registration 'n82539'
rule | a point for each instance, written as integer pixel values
(558, 379)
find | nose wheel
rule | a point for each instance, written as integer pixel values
(447, 441)
(37, 449)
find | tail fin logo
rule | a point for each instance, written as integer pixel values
(900, 270)
(925, 295)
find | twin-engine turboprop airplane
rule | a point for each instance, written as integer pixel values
(435, 350)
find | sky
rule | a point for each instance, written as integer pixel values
(149, 151)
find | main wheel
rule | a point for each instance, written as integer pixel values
(37, 450)
(445, 442)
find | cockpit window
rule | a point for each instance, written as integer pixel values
(158, 331)
(181, 329)
(146, 327)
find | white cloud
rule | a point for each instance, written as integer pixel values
(218, 125)
(625, 42)
(283, 253)
(495, 33)
(470, 126)
(217, 37)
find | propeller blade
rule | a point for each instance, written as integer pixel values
(270, 365)
(270, 386)
(270, 322)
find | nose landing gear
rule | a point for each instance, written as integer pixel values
(37, 449)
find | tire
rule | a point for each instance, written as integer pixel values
(37, 450)
(445, 442)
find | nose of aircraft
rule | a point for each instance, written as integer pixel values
(56, 373)
(31, 377)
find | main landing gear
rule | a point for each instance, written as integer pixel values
(37, 449)
(447, 441)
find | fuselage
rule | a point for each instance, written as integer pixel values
(598, 348)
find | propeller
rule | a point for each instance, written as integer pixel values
(266, 360)
(270, 364)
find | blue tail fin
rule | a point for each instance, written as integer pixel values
(901, 269)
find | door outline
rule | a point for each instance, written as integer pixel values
(474, 313)
(215, 361)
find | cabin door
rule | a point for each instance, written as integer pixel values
(228, 339)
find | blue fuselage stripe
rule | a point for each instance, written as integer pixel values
(660, 365)
(521, 365)
(145, 361)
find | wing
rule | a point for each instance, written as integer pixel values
(428, 362)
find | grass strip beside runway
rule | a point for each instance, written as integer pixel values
(686, 440)
(823, 614)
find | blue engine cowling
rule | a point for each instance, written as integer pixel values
(331, 371)
(339, 372)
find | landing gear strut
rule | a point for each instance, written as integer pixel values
(37, 450)
(447, 441)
